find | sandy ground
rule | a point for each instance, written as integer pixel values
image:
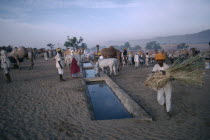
(37, 106)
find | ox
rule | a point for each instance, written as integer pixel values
(112, 63)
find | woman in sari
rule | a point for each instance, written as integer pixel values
(74, 69)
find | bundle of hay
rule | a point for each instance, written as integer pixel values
(188, 72)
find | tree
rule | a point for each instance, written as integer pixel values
(153, 45)
(116, 47)
(50, 45)
(127, 45)
(182, 46)
(137, 47)
(83, 46)
(73, 42)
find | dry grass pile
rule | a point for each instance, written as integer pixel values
(188, 72)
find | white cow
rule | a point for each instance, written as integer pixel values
(112, 63)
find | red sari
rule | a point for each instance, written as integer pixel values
(74, 67)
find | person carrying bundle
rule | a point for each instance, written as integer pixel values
(164, 93)
(189, 72)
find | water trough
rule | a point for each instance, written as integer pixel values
(88, 70)
(87, 64)
(107, 100)
(89, 73)
(105, 103)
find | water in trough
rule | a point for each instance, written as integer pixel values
(89, 73)
(106, 104)
(87, 65)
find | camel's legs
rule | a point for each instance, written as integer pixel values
(32, 63)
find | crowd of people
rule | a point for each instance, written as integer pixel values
(136, 58)
(146, 58)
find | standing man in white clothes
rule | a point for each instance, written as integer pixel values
(5, 64)
(147, 59)
(59, 63)
(45, 56)
(136, 60)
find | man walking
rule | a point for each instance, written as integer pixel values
(163, 94)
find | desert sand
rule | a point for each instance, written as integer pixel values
(37, 106)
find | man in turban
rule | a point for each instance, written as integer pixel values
(125, 56)
(59, 64)
(167, 89)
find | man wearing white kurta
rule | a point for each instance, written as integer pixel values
(136, 60)
(45, 56)
(129, 58)
(167, 89)
(147, 60)
(5, 64)
(59, 64)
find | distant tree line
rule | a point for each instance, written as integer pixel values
(50, 45)
(153, 45)
(182, 46)
(128, 47)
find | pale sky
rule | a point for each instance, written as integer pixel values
(34, 23)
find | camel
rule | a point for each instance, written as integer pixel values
(111, 52)
(20, 53)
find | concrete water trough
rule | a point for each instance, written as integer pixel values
(88, 70)
(105, 103)
(87, 65)
(89, 73)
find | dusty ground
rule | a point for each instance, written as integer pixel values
(37, 106)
